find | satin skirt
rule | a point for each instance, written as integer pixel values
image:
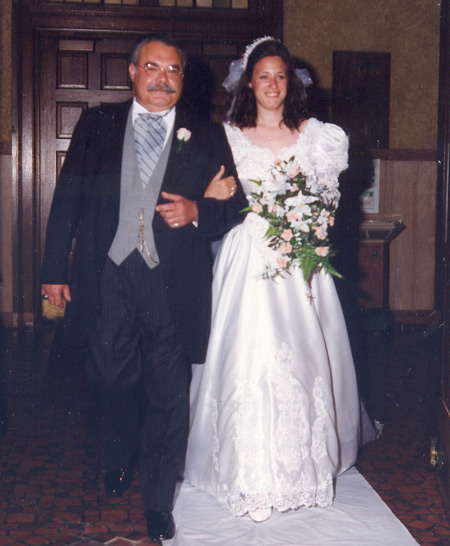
(275, 410)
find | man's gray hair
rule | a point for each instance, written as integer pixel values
(163, 38)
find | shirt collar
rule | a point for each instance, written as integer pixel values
(169, 115)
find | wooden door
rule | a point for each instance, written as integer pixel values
(75, 75)
(360, 101)
(443, 253)
(72, 55)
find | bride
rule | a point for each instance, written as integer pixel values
(275, 411)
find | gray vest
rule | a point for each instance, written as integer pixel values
(137, 205)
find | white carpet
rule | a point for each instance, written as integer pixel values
(358, 517)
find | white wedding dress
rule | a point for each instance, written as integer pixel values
(275, 411)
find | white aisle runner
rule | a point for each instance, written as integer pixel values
(358, 517)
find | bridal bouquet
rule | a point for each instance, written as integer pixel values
(299, 210)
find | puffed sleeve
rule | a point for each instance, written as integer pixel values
(332, 153)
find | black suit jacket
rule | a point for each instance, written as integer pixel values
(87, 198)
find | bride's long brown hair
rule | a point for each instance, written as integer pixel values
(243, 112)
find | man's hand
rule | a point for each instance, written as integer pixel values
(54, 292)
(179, 212)
(221, 188)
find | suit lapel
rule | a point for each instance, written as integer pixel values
(179, 154)
(110, 151)
(116, 143)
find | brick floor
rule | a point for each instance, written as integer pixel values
(51, 489)
(403, 378)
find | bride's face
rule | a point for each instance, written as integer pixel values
(269, 83)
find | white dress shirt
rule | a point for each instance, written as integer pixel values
(169, 116)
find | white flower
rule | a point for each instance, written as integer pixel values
(268, 200)
(300, 201)
(303, 226)
(279, 210)
(183, 134)
(278, 184)
(323, 218)
(294, 211)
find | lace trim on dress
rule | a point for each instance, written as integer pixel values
(320, 152)
(285, 496)
(291, 447)
(215, 448)
(319, 428)
(246, 438)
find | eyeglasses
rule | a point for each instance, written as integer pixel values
(153, 70)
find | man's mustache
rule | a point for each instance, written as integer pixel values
(161, 87)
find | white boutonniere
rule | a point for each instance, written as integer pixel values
(183, 135)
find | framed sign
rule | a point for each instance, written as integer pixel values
(371, 196)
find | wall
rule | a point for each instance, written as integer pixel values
(6, 300)
(408, 193)
(408, 29)
(5, 70)
(6, 303)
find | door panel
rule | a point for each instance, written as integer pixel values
(443, 251)
(81, 73)
(72, 56)
(75, 75)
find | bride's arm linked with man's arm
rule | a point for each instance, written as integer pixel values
(221, 188)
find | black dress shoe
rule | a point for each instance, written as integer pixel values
(117, 482)
(160, 525)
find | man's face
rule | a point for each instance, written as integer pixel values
(159, 87)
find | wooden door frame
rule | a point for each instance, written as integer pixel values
(443, 252)
(30, 20)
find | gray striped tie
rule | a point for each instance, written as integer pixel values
(149, 134)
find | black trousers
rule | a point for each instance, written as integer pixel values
(135, 340)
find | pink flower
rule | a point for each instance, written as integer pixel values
(294, 170)
(257, 207)
(285, 248)
(294, 187)
(331, 221)
(287, 234)
(292, 216)
(322, 251)
(321, 232)
(276, 206)
(282, 262)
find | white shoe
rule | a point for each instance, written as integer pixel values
(260, 514)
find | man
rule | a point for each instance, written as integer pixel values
(140, 283)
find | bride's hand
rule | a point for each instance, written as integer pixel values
(221, 188)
